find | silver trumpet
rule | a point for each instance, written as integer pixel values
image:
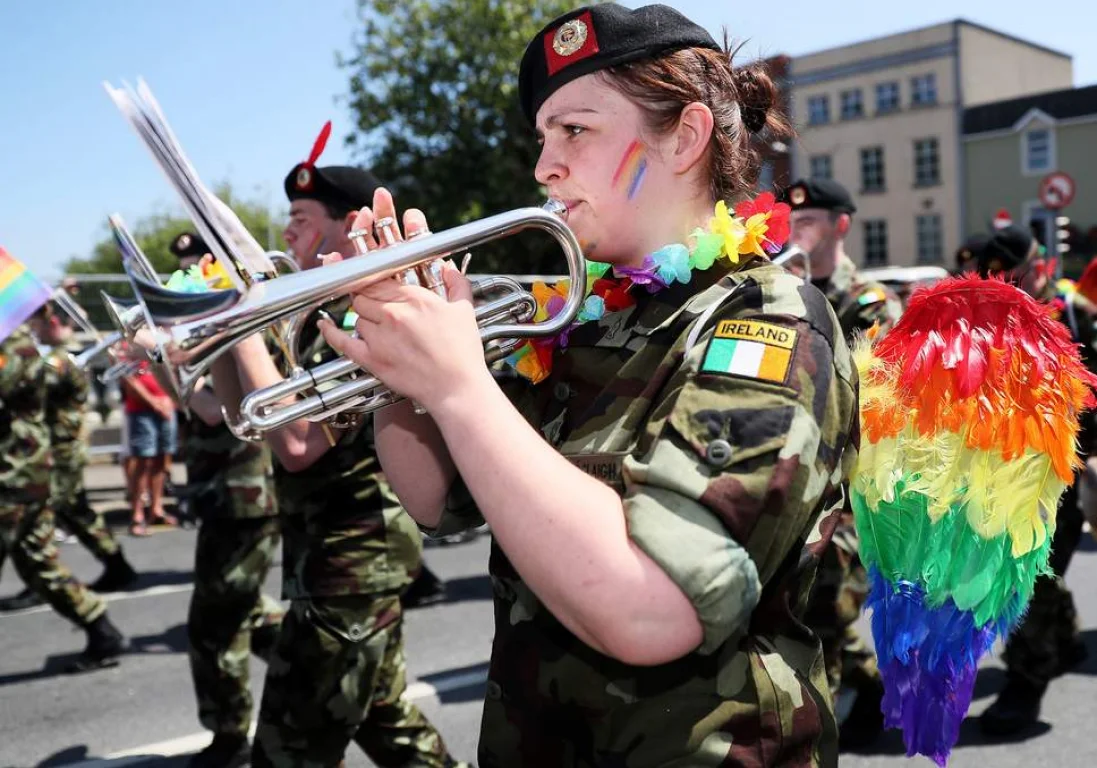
(192, 330)
(103, 343)
(792, 253)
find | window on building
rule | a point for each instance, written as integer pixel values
(820, 167)
(876, 242)
(872, 169)
(853, 105)
(930, 241)
(1037, 148)
(923, 90)
(887, 98)
(927, 163)
(818, 110)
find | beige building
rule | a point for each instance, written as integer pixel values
(1011, 146)
(884, 118)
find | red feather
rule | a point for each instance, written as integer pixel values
(319, 144)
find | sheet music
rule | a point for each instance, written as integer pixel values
(228, 239)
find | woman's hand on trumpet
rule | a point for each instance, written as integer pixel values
(425, 347)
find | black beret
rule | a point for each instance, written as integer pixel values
(597, 37)
(972, 249)
(819, 193)
(188, 244)
(1007, 249)
(342, 186)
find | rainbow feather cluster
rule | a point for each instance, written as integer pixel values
(969, 420)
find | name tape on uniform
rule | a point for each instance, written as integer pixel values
(752, 349)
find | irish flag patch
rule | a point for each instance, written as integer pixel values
(752, 349)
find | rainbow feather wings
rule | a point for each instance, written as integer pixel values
(969, 419)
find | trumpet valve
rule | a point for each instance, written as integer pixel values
(430, 277)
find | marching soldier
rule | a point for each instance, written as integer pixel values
(230, 487)
(67, 409)
(1047, 642)
(26, 522)
(821, 219)
(337, 673)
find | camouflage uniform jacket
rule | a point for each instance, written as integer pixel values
(730, 469)
(24, 434)
(859, 304)
(66, 414)
(228, 478)
(344, 532)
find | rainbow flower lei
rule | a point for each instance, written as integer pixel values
(204, 276)
(759, 227)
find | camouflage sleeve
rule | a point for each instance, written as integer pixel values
(67, 412)
(729, 478)
(19, 363)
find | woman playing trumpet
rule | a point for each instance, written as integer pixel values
(660, 478)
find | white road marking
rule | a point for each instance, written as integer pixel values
(112, 597)
(185, 745)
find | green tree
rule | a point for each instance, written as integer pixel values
(434, 88)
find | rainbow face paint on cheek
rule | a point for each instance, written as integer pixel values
(630, 172)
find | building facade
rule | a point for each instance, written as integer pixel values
(884, 118)
(1011, 146)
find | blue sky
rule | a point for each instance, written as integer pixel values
(247, 84)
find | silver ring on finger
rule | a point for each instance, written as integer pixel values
(385, 228)
(359, 238)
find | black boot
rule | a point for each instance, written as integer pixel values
(227, 750)
(1017, 708)
(865, 722)
(117, 575)
(105, 645)
(25, 599)
(427, 589)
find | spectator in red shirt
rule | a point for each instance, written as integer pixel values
(150, 420)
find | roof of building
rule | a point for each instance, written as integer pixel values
(957, 21)
(1003, 115)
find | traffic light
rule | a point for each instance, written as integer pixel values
(1062, 234)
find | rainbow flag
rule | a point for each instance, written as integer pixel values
(21, 293)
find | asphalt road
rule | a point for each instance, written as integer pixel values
(142, 713)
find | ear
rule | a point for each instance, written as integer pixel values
(843, 224)
(692, 136)
(348, 221)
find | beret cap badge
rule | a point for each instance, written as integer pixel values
(304, 178)
(183, 242)
(570, 37)
(797, 196)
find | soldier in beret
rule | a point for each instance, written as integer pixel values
(1047, 642)
(337, 673)
(659, 487)
(230, 488)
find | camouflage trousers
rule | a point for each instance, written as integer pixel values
(26, 534)
(839, 593)
(338, 674)
(1037, 647)
(230, 618)
(88, 526)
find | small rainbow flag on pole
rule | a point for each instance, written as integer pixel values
(21, 293)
